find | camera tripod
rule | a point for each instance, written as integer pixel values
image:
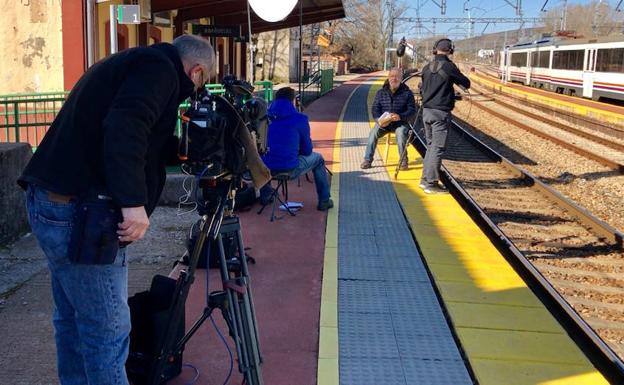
(217, 224)
(411, 135)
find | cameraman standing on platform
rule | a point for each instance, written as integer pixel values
(91, 185)
(438, 100)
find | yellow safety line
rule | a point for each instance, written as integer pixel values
(579, 109)
(507, 334)
(328, 369)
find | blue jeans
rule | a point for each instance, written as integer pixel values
(377, 132)
(91, 315)
(316, 164)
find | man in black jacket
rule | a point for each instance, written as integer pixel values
(438, 99)
(109, 145)
(392, 108)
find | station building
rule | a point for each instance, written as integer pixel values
(48, 45)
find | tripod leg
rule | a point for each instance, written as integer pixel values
(243, 308)
(207, 312)
(250, 304)
(410, 135)
(248, 301)
(236, 326)
(169, 346)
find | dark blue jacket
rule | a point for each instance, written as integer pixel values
(401, 103)
(289, 136)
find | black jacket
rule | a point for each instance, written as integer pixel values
(114, 132)
(436, 89)
(401, 103)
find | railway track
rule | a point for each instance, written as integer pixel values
(606, 151)
(572, 258)
(613, 130)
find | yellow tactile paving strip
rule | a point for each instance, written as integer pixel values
(505, 331)
(328, 366)
(579, 109)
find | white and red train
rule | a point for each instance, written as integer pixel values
(591, 68)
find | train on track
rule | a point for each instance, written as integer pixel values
(591, 68)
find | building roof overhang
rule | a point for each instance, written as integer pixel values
(234, 12)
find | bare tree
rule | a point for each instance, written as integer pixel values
(597, 18)
(365, 31)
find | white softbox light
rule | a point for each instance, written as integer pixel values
(272, 10)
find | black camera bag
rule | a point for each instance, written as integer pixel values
(149, 315)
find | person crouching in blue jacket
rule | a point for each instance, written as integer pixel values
(290, 147)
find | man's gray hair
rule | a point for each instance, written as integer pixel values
(195, 50)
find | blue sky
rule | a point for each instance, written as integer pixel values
(479, 8)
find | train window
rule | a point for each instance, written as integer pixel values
(544, 59)
(519, 59)
(610, 60)
(568, 60)
(540, 59)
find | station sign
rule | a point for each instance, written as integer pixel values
(217, 30)
(129, 14)
(322, 41)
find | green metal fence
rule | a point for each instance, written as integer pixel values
(267, 89)
(327, 81)
(27, 117)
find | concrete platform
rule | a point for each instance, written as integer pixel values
(343, 297)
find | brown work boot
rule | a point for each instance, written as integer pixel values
(365, 164)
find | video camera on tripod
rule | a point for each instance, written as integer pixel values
(217, 133)
(212, 128)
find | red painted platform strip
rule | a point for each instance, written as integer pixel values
(286, 281)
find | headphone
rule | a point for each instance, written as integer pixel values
(451, 51)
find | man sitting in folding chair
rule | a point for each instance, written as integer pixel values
(392, 108)
(290, 149)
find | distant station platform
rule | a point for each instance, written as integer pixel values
(390, 287)
(604, 112)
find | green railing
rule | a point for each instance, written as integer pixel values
(318, 83)
(327, 81)
(27, 117)
(267, 88)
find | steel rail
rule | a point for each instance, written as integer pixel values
(592, 125)
(597, 351)
(599, 227)
(598, 139)
(578, 149)
(615, 131)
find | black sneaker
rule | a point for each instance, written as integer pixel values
(366, 164)
(435, 189)
(325, 205)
